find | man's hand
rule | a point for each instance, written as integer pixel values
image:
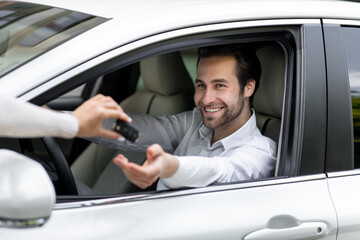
(158, 164)
(93, 112)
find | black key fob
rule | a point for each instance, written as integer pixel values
(126, 130)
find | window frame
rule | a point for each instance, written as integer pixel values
(339, 157)
(292, 133)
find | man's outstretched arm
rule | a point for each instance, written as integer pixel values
(196, 171)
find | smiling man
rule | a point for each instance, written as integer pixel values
(219, 96)
(218, 141)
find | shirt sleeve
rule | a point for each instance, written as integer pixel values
(23, 119)
(243, 164)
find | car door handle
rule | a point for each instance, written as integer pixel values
(305, 230)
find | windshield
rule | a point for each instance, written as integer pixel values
(28, 30)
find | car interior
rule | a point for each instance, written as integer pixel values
(168, 89)
(158, 85)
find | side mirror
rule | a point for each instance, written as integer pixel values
(27, 195)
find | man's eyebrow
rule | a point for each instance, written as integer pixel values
(220, 80)
(198, 81)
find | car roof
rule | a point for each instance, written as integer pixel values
(211, 9)
(132, 20)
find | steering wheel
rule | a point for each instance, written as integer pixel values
(61, 165)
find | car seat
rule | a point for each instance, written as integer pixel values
(168, 89)
(268, 100)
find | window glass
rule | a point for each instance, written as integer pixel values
(351, 37)
(28, 30)
(189, 58)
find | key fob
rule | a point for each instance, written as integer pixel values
(126, 130)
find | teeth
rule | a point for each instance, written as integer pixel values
(212, 109)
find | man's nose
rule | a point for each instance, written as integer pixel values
(209, 97)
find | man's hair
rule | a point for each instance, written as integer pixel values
(248, 65)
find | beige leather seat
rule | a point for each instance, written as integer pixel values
(168, 89)
(268, 100)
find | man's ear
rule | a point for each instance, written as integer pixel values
(249, 88)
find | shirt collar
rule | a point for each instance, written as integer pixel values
(205, 133)
(245, 131)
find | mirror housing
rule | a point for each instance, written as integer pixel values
(27, 195)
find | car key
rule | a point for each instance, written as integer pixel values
(126, 130)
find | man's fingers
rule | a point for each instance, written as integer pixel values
(137, 170)
(121, 161)
(153, 151)
(139, 175)
(139, 178)
(132, 168)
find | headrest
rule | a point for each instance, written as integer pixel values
(166, 75)
(269, 96)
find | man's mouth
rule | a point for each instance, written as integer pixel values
(212, 110)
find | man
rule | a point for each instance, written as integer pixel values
(216, 142)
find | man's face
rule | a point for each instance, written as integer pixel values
(217, 94)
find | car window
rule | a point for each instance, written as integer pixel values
(28, 30)
(189, 58)
(157, 97)
(351, 38)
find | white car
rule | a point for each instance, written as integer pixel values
(143, 54)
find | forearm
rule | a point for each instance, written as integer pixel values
(203, 171)
(194, 172)
(170, 166)
(26, 120)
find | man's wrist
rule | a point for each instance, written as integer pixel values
(171, 165)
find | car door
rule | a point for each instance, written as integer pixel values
(342, 50)
(295, 204)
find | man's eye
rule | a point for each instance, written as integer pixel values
(220, 85)
(200, 85)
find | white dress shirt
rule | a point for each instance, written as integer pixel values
(22, 119)
(244, 155)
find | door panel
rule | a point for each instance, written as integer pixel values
(289, 206)
(346, 197)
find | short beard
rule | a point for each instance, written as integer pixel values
(228, 116)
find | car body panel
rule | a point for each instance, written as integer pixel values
(229, 10)
(344, 192)
(231, 214)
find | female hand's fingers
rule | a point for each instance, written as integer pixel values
(109, 134)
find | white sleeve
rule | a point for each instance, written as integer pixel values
(244, 164)
(22, 119)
